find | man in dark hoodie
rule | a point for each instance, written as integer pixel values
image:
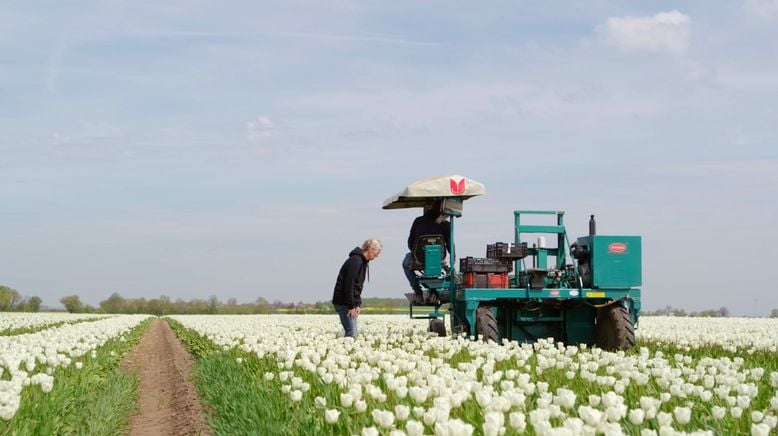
(432, 222)
(347, 296)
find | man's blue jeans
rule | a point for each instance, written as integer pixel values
(411, 275)
(349, 325)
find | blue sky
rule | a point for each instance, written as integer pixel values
(242, 149)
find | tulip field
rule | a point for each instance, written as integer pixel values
(296, 374)
(49, 375)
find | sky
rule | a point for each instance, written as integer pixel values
(242, 149)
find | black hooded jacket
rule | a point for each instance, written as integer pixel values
(351, 279)
(427, 225)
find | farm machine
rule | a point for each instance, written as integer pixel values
(587, 292)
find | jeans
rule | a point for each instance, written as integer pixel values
(411, 275)
(349, 325)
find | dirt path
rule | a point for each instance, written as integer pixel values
(168, 402)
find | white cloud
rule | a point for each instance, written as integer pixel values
(665, 32)
(260, 129)
(762, 8)
(743, 171)
(59, 139)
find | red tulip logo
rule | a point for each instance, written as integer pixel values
(617, 248)
(457, 188)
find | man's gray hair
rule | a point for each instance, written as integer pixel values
(372, 243)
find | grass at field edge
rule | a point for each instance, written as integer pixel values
(97, 399)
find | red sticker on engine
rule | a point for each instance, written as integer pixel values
(617, 248)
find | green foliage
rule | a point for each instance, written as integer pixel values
(196, 344)
(72, 303)
(34, 304)
(671, 311)
(164, 306)
(97, 399)
(8, 298)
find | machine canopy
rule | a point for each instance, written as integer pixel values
(421, 192)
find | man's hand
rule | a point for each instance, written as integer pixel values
(353, 313)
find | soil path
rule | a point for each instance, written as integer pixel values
(168, 403)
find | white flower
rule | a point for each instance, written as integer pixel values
(718, 412)
(636, 416)
(590, 415)
(331, 416)
(383, 418)
(565, 398)
(418, 394)
(296, 395)
(736, 412)
(320, 402)
(682, 415)
(761, 429)
(517, 421)
(269, 376)
(402, 412)
(370, 431)
(414, 428)
(664, 419)
(757, 416)
(360, 406)
(346, 400)
(79, 365)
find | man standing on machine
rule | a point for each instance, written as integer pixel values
(432, 222)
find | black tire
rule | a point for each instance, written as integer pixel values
(437, 326)
(486, 324)
(614, 330)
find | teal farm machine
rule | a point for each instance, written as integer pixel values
(586, 292)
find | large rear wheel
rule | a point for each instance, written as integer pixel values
(437, 326)
(614, 330)
(486, 324)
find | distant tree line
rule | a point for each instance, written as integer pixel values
(721, 312)
(12, 301)
(165, 306)
(213, 305)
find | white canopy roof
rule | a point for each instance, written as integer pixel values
(420, 192)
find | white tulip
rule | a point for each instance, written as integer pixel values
(636, 416)
(760, 430)
(414, 428)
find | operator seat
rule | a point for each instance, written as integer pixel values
(418, 261)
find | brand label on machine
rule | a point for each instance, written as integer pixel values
(457, 188)
(617, 248)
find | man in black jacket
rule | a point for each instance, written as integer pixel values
(347, 296)
(432, 222)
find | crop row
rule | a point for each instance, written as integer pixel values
(396, 379)
(29, 360)
(18, 323)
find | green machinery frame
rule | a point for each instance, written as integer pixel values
(527, 313)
